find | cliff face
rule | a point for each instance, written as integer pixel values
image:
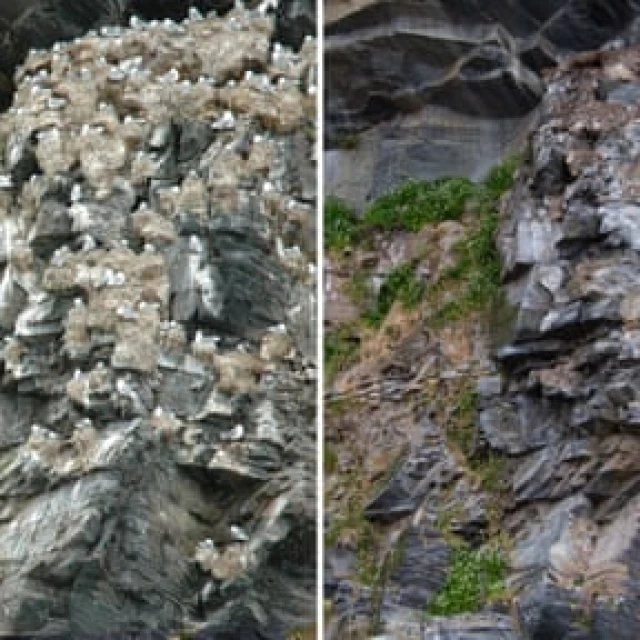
(514, 427)
(38, 24)
(566, 408)
(440, 88)
(157, 436)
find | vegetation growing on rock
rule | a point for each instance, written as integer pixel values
(469, 285)
(340, 224)
(400, 285)
(476, 577)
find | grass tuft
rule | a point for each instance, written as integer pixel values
(341, 226)
(340, 350)
(400, 284)
(418, 202)
(477, 269)
(501, 177)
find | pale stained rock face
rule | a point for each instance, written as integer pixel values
(157, 300)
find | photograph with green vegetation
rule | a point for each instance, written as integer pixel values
(481, 321)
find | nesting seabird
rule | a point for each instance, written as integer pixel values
(227, 121)
(88, 242)
(238, 533)
(236, 434)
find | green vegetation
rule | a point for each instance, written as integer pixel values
(460, 426)
(456, 409)
(490, 470)
(401, 284)
(416, 203)
(475, 277)
(500, 178)
(359, 289)
(340, 406)
(476, 577)
(349, 141)
(341, 226)
(468, 289)
(340, 349)
(330, 459)
(307, 632)
(354, 527)
(471, 284)
(445, 519)
(477, 272)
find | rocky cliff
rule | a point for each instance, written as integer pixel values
(483, 477)
(157, 303)
(38, 24)
(442, 88)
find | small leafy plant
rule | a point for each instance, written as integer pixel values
(341, 226)
(476, 577)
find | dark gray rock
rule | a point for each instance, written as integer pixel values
(295, 19)
(441, 88)
(568, 406)
(420, 570)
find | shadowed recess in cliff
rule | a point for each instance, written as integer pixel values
(430, 89)
(464, 55)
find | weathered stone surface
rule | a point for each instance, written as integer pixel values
(416, 487)
(157, 398)
(569, 412)
(560, 416)
(426, 89)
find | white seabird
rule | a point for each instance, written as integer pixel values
(238, 533)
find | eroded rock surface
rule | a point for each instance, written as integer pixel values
(567, 404)
(38, 24)
(426, 89)
(157, 306)
(548, 463)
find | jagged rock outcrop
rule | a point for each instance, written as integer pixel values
(567, 405)
(548, 462)
(157, 302)
(38, 24)
(442, 88)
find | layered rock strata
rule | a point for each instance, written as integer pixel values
(426, 89)
(157, 306)
(550, 462)
(565, 408)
